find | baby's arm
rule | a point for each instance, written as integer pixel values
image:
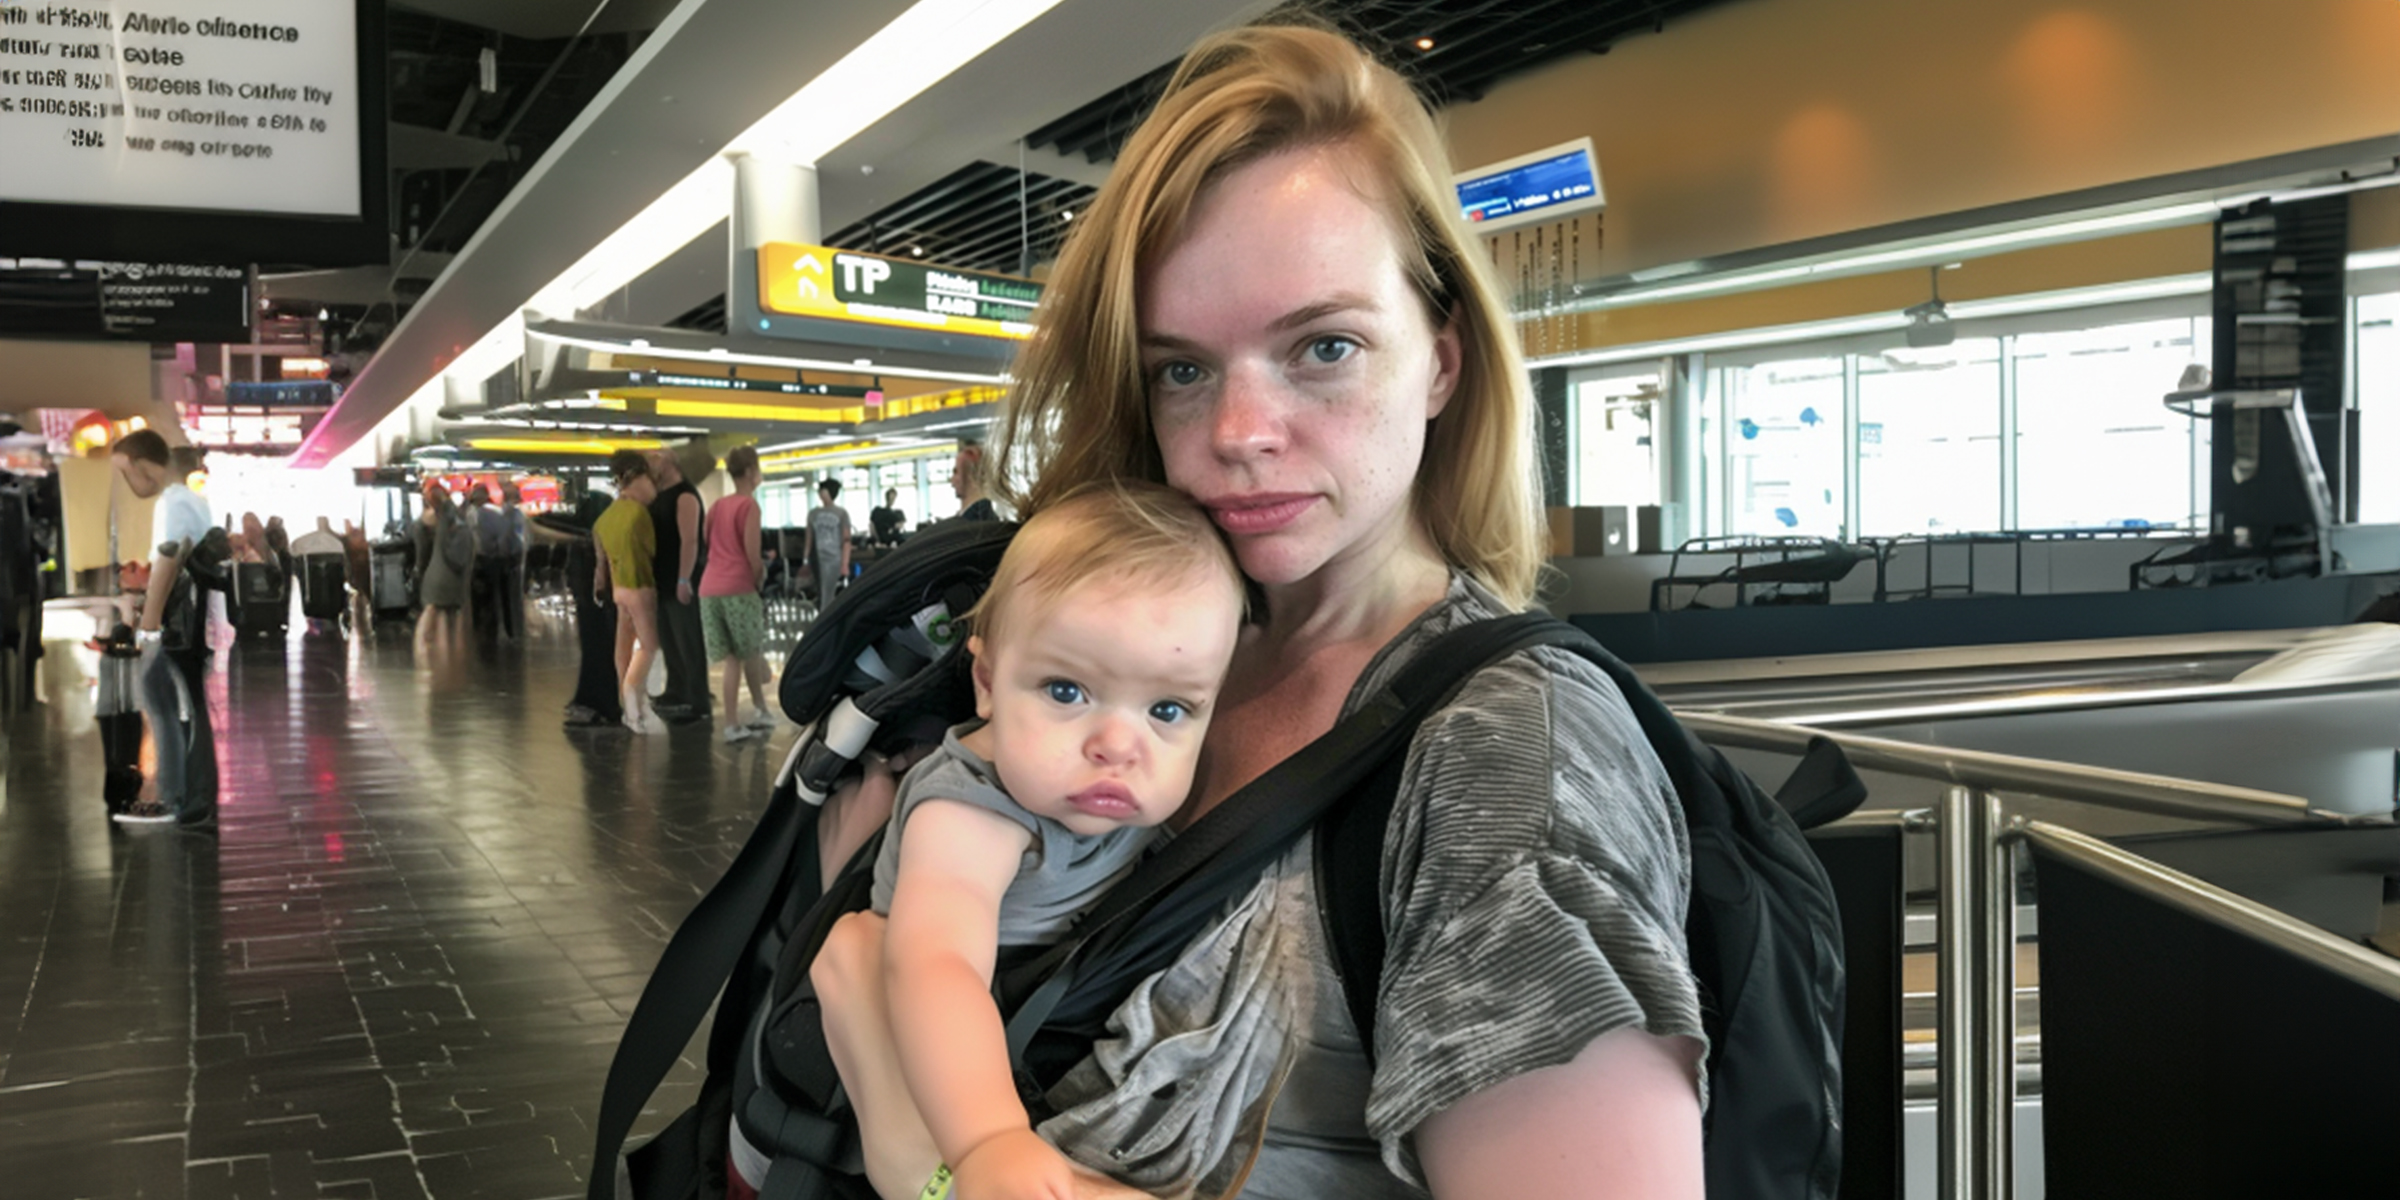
(956, 861)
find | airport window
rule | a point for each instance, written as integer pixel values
(858, 496)
(1614, 431)
(1784, 447)
(2378, 400)
(1867, 437)
(1929, 439)
(2096, 445)
(940, 500)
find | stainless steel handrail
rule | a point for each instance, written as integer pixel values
(1974, 844)
(2133, 791)
(2214, 904)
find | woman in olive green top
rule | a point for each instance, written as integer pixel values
(626, 541)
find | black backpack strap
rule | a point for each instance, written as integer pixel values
(697, 962)
(1349, 851)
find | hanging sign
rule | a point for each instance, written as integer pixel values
(1545, 185)
(843, 285)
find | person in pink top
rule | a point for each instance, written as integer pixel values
(733, 619)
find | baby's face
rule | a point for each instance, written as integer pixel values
(1098, 700)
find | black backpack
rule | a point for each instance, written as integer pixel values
(1765, 939)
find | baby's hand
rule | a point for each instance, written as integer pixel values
(1017, 1165)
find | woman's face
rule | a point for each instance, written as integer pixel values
(1292, 368)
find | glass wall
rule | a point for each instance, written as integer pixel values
(1784, 447)
(1929, 439)
(2051, 421)
(1613, 427)
(2096, 445)
(2378, 398)
(2035, 428)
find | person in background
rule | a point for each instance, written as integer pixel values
(174, 669)
(829, 541)
(598, 700)
(319, 541)
(676, 515)
(513, 545)
(625, 572)
(968, 479)
(361, 558)
(732, 616)
(445, 564)
(886, 521)
(492, 559)
(279, 545)
(251, 545)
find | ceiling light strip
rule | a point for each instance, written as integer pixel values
(723, 355)
(1808, 331)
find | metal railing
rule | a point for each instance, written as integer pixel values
(1975, 872)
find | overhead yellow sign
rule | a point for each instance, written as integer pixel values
(795, 280)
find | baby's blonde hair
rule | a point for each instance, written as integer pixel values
(1114, 530)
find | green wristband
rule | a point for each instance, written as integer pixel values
(938, 1187)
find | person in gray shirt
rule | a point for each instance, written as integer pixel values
(1274, 307)
(829, 541)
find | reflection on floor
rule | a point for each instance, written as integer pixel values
(399, 966)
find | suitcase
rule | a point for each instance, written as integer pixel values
(116, 708)
(263, 599)
(323, 593)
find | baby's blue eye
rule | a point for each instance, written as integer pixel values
(1065, 691)
(1167, 712)
(1180, 374)
(1331, 349)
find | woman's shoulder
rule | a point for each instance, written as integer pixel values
(1538, 751)
(1539, 677)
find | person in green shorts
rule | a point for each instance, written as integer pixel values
(733, 620)
(626, 541)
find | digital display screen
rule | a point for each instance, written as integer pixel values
(1548, 186)
(229, 105)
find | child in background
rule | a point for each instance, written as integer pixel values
(1099, 650)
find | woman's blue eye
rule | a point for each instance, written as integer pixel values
(1331, 349)
(1167, 712)
(1064, 691)
(1180, 374)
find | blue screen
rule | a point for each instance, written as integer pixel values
(1536, 185)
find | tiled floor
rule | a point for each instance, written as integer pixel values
(396, 970)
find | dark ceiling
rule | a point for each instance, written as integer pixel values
(458, 148)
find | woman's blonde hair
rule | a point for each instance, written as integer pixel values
(1079, 409)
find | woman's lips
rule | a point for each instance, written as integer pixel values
(1264, 513)
(1104, 800)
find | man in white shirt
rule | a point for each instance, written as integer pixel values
(173, 675)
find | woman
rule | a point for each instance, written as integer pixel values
(442, 582)
(733, 619)
(626, 541)
(1274, 307)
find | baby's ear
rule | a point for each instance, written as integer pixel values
(981, 670)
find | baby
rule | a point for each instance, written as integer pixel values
(1098, 651)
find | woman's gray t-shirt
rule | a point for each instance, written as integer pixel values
(1535, 877)
(1063, 872)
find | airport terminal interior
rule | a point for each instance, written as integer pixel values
(2006, 395)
